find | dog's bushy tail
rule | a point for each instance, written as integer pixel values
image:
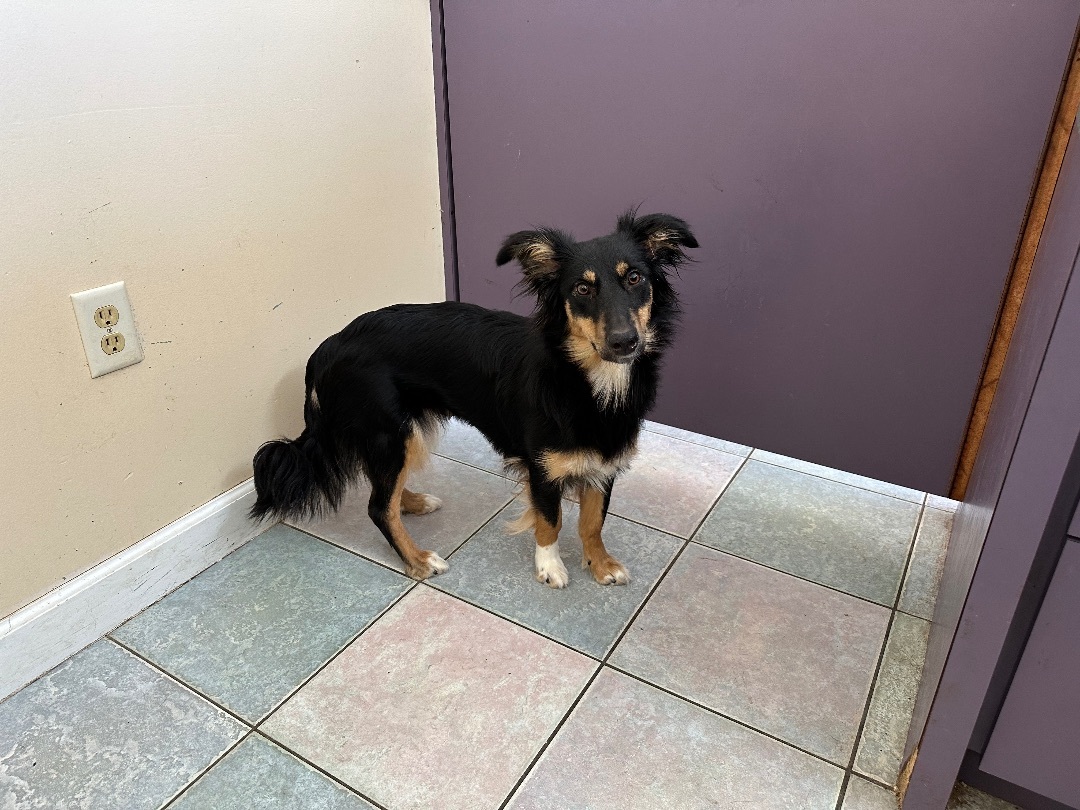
(301, 477)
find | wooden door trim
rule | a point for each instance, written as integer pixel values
(1013, 297)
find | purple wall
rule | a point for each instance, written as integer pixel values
(857, 174)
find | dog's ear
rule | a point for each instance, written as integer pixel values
(661, 236)
(540, 253)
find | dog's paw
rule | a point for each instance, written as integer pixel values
(428, 565)
(419, 504)
(607, 570)
(549, 567)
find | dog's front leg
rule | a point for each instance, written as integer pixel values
(594, 506)
(547, 512)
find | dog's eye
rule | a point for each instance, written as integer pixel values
(581, 288)
(633, 277)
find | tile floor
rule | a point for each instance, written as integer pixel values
(765, 655)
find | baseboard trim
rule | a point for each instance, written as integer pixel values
(51, 629)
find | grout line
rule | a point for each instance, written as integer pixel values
(768, 567)
(648, 429)
(334, 657)
(176, 678)
(880, 662)
(919, 502)
(558, 727)
(176, 796)
(515, 622)
(473, 466)
(599, 669)
(735, 720)
(323, 771)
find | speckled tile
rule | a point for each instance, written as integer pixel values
(860, 481)
(249, 629)
(944, 504)
(864, 795)
(847, 538)
(884, 735)
(927, 562)
(470, 497)
(462, 442)
(105, 730)
(965, 797)
(698, 438)
(259, 774)
(496, 571)
(672, 484)
(784, 656)
(439, 704)
(628, 746)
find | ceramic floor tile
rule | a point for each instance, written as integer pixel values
(944, 504)
(882, 487)
(884, 735)
(629, 746)
(469, 498)
(249, 629)
(784, 656)
(463, 442)
(439, 704)
(864, 795)
(697, 438)
(927, 562)
(496, 571)
(672, 484)
(106, 730)
(847, 538)
(259, 774)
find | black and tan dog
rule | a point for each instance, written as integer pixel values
(560, 395)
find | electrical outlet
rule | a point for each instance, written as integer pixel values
(107, 325)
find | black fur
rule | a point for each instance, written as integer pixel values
(403, 367)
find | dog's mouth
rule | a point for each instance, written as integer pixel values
(612, 356)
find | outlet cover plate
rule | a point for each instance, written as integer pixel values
(111, 297)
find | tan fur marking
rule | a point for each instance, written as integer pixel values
(415, 503)
(621, 268)
(589, 276)
(546, 534)
(605, 569)
(609, 381)
(586, 465)
(418, 562)
(314, 399)
(659, 240)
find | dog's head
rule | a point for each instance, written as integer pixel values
(609, 298)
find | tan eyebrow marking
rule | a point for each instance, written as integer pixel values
(589, 276)
(621, 268)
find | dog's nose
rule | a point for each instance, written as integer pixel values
(623, 342)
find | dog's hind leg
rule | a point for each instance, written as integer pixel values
(416, 503)
(387, 470)
(594, 505)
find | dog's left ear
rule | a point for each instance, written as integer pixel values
(661, 236)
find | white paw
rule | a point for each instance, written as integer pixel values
(549, 566)
(431, 503)
(437, 563)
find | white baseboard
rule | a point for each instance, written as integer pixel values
(51, 629)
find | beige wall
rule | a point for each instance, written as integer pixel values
(259, 174)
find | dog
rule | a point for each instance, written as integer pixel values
(560, 395)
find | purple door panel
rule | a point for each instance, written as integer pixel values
(1036, 741)
(857, 174)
